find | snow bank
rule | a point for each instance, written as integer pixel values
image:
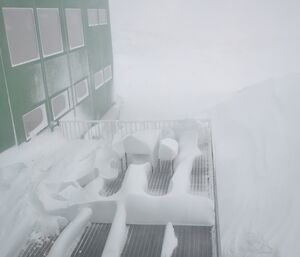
(168, 149)
(170, 241)
(257, 146)
(117, 235)
(179, 209)
(63, 246)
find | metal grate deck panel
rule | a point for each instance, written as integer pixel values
(92, 241)
(200, 172)
(144, 241)
(39, 248)
(112, 186)
(159, 179)
(193, 241)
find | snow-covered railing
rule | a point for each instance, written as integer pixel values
(106, 129)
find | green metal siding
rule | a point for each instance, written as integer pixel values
(6, 127)
(38, 82)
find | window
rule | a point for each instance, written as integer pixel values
(99, 79)
(107, 73)
(82, 90)
(74, 26)
(50, 30)
(93, 17)
(35, 121)
(21, 35)
(60, 104)
(102, 16)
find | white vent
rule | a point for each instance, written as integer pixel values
(102, 16)
(75, 29)
(35, 121)
(93, 17)
(99, 79)
(82, 90)
(107, 73)
(60, 104)
(50, 30)
(21, 35)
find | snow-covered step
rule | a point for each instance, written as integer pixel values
(159, 179)
(38, 248)
(144, 240)
(193, 241)
(92, 241)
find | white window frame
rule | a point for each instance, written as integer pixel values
(103, 82)
(67, 108)
(61, 40)
(40, 127)
(108, 69)
(102, 12)
(80, 99)
(88, 14)
(83, 44)
(8, 41)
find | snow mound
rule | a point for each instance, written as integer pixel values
(257, 141)
(168, 149)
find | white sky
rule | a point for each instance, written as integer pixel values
(199, 47)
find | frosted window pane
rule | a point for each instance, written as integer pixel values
(60, 104)
(102, 16)
(34, 121)
(107, 73)
(93, 17)
(21, 35)
(99, 79)
(74, 25)
(50, 30)
(82, 90)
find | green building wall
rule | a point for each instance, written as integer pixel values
(72, 83)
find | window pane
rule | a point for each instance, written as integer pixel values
(74, 25)
(21, 35)
(50, 30)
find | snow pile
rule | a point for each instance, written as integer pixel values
(170, 241)
(68, 239)
(117, 235)
(178, 209)
(141, 142)
(168, 149)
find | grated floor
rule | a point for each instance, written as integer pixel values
(92, 241)
(144, 241)
(39, 248)
(193, 241)
(200, 172)
(159, 179)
